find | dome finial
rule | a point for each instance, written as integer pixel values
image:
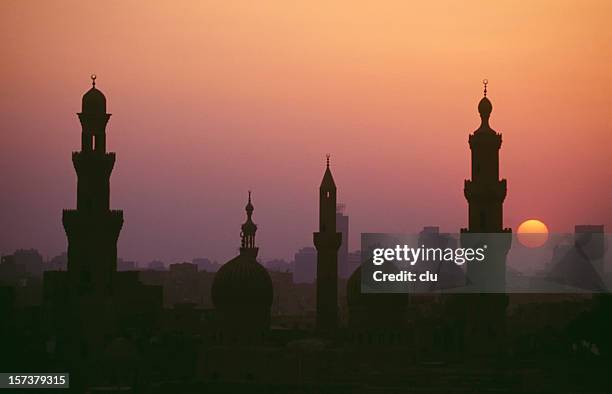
(249, 207)
(328, 156)
(93, 80)
(485, 107)
(249, 228)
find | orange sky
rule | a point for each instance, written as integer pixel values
(210, 99)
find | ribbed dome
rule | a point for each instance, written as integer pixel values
(242, 281)
(93, 102)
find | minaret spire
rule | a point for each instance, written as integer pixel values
(485, 193)
(485, 108)
(249, 228)
(327, 242)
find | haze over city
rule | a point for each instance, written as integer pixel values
(210, 101)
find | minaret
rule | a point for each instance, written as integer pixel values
(92, 228)
(485, 194)
(327, 241)
(242, 291)
(247, 235)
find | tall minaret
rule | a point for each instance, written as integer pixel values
(485, 194)
(327, 241)
(93, 229)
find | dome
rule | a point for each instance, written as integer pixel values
(374, 310)
(485, 107)
(93, 102)
(243, 282)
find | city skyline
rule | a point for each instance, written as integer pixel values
(189, 146)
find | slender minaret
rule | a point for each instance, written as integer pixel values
(485, 194)
(92, 228)
(327, 241)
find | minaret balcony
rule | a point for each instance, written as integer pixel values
(485, 191)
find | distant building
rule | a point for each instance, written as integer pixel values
(124, 265)
(591, 241)
(279, 265)
(185, 284)
(58, 263)
(581, 264)
(305, 265)
(21, 272)
(205, 264)
(284, 299)
(31, 259)
(11, 272)
(182, 283)
(156, 265)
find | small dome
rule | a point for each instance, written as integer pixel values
(94, 102)
(242, 282)
(485, 107)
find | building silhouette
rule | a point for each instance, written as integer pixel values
(580, 265)
(305, 265)
(108, 331)
(590, 239)
(242, 291)
(485, 193)
(327, 241)
(90, 306)
(93, 228)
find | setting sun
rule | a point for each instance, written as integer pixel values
(532, 233)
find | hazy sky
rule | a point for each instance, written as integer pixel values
(210, 99)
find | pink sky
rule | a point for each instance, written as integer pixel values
(210, 100)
